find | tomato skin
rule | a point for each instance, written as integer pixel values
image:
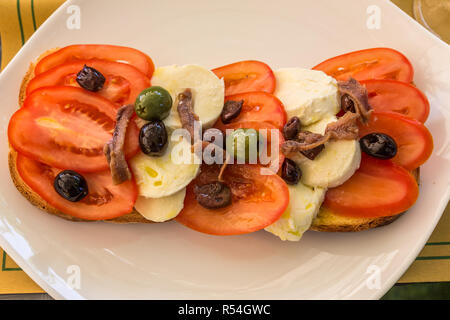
(246, 76)
(106, 52)
(66, 128)
(375, 63)
(123, 82)
(104, 200)
(257, 201)
(397, 96)
(258, 126)
(258, 106)
(414, 141)
(379, 188)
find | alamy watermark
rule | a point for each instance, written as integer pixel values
(373, 281)
(73, 22)
(74, 277)
(374, 17)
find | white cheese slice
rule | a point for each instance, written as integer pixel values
(161, 209)
(307, 94)
(163, 176)
(337, 162)
(208, 92)
(304, 204)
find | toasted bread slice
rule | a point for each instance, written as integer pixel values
(329, 221)
(326, 220)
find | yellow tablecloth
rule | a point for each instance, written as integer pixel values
(20, 18)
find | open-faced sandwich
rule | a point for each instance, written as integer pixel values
(102, 135)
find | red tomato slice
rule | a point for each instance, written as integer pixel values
(246, 76)
(123, 82)
(414, 141)
(257, 201)
(379, 188)
(72, 53)
(396, 96)
(67, 127)
(376, 63)
(267, 135)
(104, 200)
(258, 106)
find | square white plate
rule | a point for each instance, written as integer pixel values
(169, 261)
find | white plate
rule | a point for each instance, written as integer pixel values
(169, 261)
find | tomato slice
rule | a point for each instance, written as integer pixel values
(123, 82)
(266, 130)
(414, 141)
(104, 200)
(379, 188)
(72, 53)
(259, 106)
(257, 201)
(376, 63)
(66, 128)
(246, 76)
(396, 96)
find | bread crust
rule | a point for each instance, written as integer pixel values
(30, 75)
(327, 221)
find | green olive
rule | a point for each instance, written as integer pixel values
(243, 144)
(153, 103)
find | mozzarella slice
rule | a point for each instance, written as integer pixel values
(307, 94)
(207, 89)
(161, 209)
(304, 204)
(163, 176)
(334, 165)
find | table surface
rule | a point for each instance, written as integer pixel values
(427, 278)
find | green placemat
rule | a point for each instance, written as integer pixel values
(419, 291)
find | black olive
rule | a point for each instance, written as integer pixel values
(291, 128)
(378, 145)
(231, 110)
(290, 172)
(153, 138)
(90, 79)
(213, 195)
(70, 185)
